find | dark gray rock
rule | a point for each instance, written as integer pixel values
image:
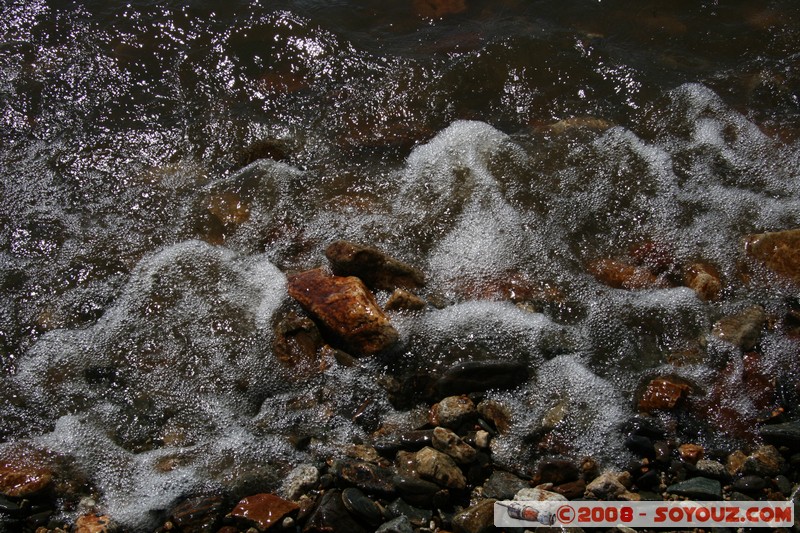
(750, 484)
(786, 434)
(476, 519)
(698, 487)
(368, 477)
(330, 514)
(401, 524)
(474, 376)
(417, 517)
(503, 485)
(357, 503)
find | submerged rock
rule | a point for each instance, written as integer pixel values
(365, 476)
(779, 251)
(330, 514)
(199, 515)
(742, 329)
(377, 269)
(662, 394)
(620, 275)
(346, 307)
(23, 472)
(297, 343)
(703, 279)
(476, 376)
(503, 485)
(263, 510)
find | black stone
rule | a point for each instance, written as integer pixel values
(417, 517)
(648, 480)
(640, 445)
(407, 440)
(556, 471)
(750, 484)
(368, 477)
(786, 434)
(357, 503)
(698, 487)
(503, 485)
(330, 514)
(644, 426)
(198, 515)
(474, 376)
(416, 491)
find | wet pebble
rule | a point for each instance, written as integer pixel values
(475, 376)
(785, 434)
(330, 514)
(401, 524)
(452, 411)
(503, 485)
(376, 268)
(532, 494)
(417, 517)
(778, 251)
(368, 477)
(92, 523)
(572, 489)
(662, 394)
(262, 510)
(640, 445)
(401, 300)
(407, 440)
(764, 461)
(742, 329)
(496, 413)
(750, 484)
(415, 490)
(299, 480)
(476, 519)
(698, 487)
(712, 469)
(704, 279)
(482, 439)
(439, 468)
(23, 473)
(556, 471)
(357, 503)
(201, 514)
(606, 486)
(691, 453)
(448, 442)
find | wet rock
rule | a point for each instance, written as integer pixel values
(712, 469)
(366, 476)
(438, 8)
(779, 251)
(23, 472)
(496, 413)
(476, 376)
(508, 285)
(786, 434)
(555, 415)
(297, 343)
(620, 275)
(571, 490)
(417, 517)
(401, 524)
(742, 329)
(735, 462)
(538, 495)
(691, 453)
(330, 514)
(440, 468)
(198, 515)
(556, 471)
(503, 485)
(640, 445)
(783, 484)
(262, 510)
(476, 519)
(606, 486)
(765, 461)
(403, 300)
(572, 123)
(452, 411)
(92, 523)
(482, 439)
(698, 487)
(346, 307)
(703, 279)
(415, 491)
(448, 442)
(750, 484)
(662, 394)
(407, 440)
(357, 503)
(375, 268)
(299, 480)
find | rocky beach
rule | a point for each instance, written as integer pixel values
(319, 267)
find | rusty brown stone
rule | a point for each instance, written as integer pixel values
(346, 307)
(621, 275)
(228, 207)
(663, 394)
(403, 300)
(742, 329)
(691, 453)
(23, 472)
(92, 523)
(375, 268)
(778, 251)
(703, 279)
(510, 285)
(263, 510)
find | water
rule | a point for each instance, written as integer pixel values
(142, 268)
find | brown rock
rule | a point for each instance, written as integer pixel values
(346, 307)
(606, 486)
(476, 519)
(662, 393)
(297, 344)
(691, 453)
(452, 411)
(263, 510)
(621, 275)
(735, 462)
(448, 442)
(656, 256)
(23, 472)
(440, 468)
(403, 300)
(228, 207)
(703, 279)
(496, 413)
(742, 329)
(556, 471)
(374, 267)
(779, 251)
(571, 490)
(766, 461)
(509, 285)
(92, 523)
(199, 514)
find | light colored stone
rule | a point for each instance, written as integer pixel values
(440, 468)
(532, 494)
(606, 486)
(299, 481)
(448, 442)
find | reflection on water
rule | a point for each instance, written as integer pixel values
(557, 172)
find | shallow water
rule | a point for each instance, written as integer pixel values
(142, 269)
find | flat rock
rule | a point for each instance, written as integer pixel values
(475, 376)
(476, 519)
(698, 487)
(377, 269)
(346, 307)
(742, 329)
(440, 468)
(662, 394)
(786, 434)
(448, 442)
(263, 510)
(503, 485)
(779, 251)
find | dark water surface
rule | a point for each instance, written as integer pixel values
(141, 272)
